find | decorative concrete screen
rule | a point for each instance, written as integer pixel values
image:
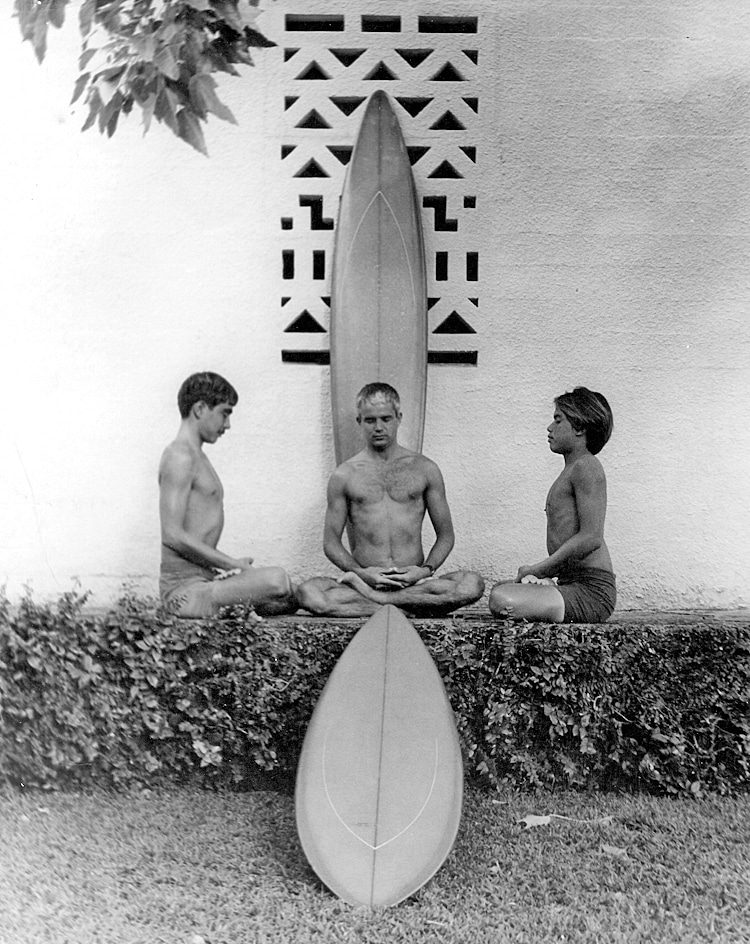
(428, 64)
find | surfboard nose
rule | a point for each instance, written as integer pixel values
(379, 281)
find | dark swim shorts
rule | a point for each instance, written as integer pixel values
(589, 594)
(185, 588)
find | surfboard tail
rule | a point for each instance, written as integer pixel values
(380, 779)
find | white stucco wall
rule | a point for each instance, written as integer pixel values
(614, 235)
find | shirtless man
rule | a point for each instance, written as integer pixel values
(576, 506)
(381, 496)
(191, 509)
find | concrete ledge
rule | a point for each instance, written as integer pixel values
(482, 615)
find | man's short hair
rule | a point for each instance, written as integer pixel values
(372, 390)
(590, 413)
(208, 387)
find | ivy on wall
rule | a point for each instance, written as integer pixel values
(136, 696)
(158, 56)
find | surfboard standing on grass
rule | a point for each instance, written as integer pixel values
(380, 777)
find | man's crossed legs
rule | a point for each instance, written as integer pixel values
(351, 596)
(201, 594)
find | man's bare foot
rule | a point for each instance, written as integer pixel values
(357, 583)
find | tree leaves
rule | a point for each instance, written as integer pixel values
(165, 62)
(34, 16)
(80, 85)
(157, 54)
(86, 16)
(204, 98)
(166, 108)
(190, 130)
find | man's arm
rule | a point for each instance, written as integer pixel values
(589, 485)
(176, 476)
(440, 516)
(333, 529)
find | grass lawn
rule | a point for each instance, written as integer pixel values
(187, 867)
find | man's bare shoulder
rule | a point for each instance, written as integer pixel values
(588, 469)
(421, 459)
(350, 465)
(343, 474)
(179, 458)
(424, 464)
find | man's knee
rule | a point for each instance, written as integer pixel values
(279, 595)
(527, 602)
(502, 599)
(468, 586)
(472, 586)
(279, 584)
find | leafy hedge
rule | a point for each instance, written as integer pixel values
(136, 696)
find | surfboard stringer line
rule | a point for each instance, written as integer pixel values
(401, 832)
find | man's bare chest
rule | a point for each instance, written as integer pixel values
(206, 483)
(560, 500)
(401, 485)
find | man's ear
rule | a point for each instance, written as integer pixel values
(199, 408)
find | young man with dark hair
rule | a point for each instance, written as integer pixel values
(211, 388)
(381, 495)
(191, 510)
(583, 589)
